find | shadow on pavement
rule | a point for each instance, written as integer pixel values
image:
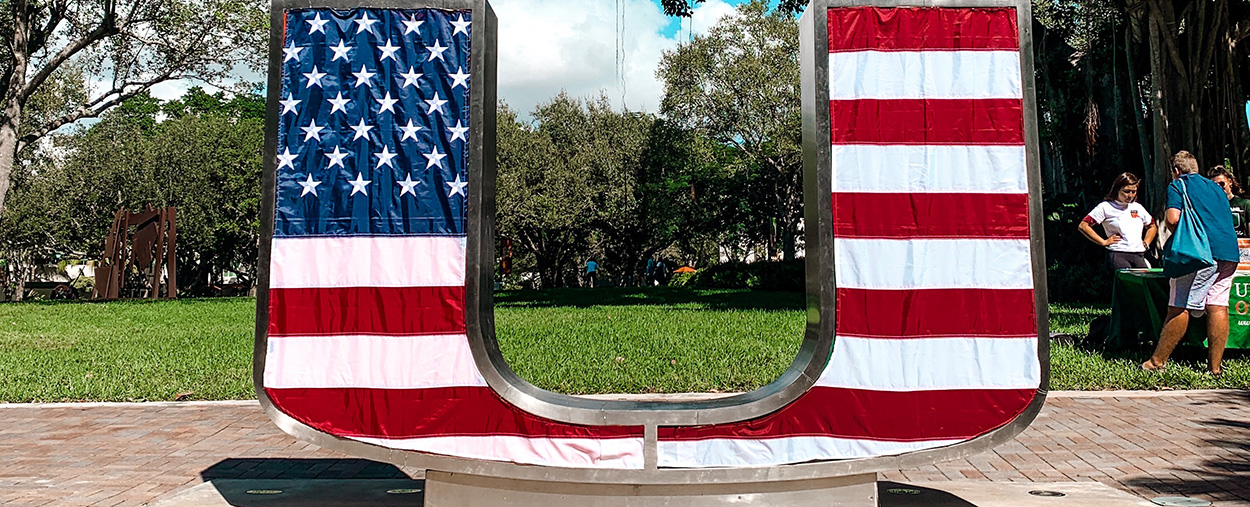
(257, 482)
(1221, 477)
(893, 494)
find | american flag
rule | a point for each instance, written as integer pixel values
(936, 321)
(366, 337)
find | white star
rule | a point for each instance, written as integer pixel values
(287, 158)
(434, 158)
(314, 77)
(410, 131)
(360, 184)
(338, 103)
(310, 186)
(291, 52)
(386, 103)
(312, 131)
(436, 104)
(385, 157)
(364, 23)
(457, 187)
(316, 24)
(336, 158)
(412, 25)
(361, 129)
(460, 78)
(461, 25)
(408, 185)
(340, 51)
(436, 51)
(388, 51)
(362, 77)
(458, 132)
(411, 77)
(288, 105)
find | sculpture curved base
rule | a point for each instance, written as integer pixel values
(443, 489)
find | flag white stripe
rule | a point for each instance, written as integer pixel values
(929, 168)
(914, 364)
(620, 453)
(380, 362)
(933, 263)
(733, 452)
(378, 261)
(924, 75)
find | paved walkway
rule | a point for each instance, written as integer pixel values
(1194, 443)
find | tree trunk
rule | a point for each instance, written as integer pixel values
(1143, 135)
(1162, 174)
(8, 148)
(11, 117)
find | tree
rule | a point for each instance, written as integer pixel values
(205, 159)
(683, 8)
(739, 86)
(128, 45)
(568, 181)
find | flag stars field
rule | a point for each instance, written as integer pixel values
(370, 94)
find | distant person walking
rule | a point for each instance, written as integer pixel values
(1238, 205)
(592, 272)
(1205, 290)
(1129, 227)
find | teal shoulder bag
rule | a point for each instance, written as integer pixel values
(1188, 249)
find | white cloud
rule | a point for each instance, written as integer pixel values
(549, 45)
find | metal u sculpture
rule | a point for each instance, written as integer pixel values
(925, 270)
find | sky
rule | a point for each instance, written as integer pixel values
(549, 45)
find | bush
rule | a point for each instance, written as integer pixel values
(770, 276)
(1078, 283)
(680, 279)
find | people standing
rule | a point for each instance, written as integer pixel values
(592, 272)
(1205, 290)
(1237, 202)
(1129, 227)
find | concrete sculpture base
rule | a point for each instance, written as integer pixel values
(444, 489)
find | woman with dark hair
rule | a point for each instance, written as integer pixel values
(1128, 225)
(1237, 203)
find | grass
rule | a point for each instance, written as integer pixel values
(124, 351)
(572, 341)
(648, 341)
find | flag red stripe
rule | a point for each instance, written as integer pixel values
(875, 415)
(966, 313)
(414, 413)
(927, 121)
(930, 215)
(905, 29)
(366, 310)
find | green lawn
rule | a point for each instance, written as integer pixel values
(573, 341)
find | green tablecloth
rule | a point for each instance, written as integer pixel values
(1139, 302)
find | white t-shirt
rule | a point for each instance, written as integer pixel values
(1127, 220)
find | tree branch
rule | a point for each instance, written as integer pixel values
(107, 27)
(96, 107)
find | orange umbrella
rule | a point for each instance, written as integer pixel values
(684, 269)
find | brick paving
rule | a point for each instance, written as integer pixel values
(1194, 443)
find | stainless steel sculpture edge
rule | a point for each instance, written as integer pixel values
(819, 336)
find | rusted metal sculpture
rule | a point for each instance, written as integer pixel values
(139, 246)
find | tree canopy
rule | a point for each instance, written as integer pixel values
(65, 60)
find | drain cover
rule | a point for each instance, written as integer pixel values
(402, 491)
(264, 492)
(1042, 492)
(1180, 501)
(903, 491)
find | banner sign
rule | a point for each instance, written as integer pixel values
(927, 314)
